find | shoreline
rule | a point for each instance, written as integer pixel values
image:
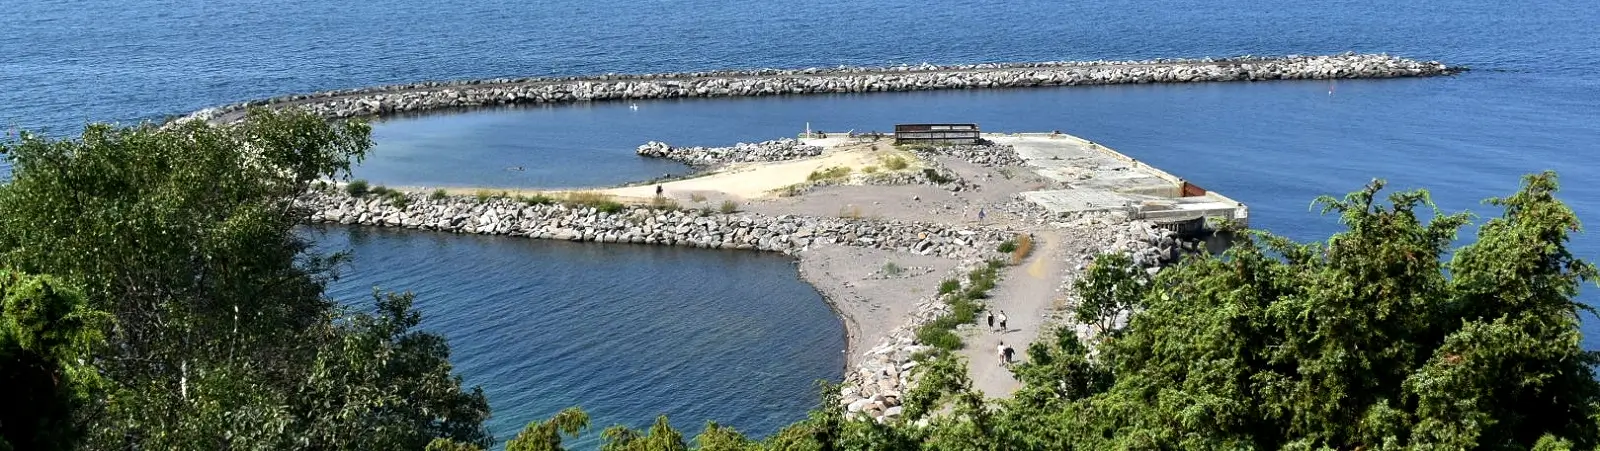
(424, 97)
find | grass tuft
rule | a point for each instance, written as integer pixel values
(729, 207)
(895, 162)
(836, 172)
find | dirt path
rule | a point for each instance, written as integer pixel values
(1026, 295)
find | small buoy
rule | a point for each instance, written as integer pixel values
(633, 106)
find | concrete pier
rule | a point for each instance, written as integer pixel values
(1099, 179)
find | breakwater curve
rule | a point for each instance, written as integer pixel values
(430, 96)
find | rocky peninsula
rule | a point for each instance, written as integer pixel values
(878, 229)
(447, 95)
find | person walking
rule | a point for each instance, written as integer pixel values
(1006, 352)
(991, 320)
(1002, 319)
(1001, 351)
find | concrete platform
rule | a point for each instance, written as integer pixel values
(1098, 179)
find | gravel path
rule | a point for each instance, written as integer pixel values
(1026, 294)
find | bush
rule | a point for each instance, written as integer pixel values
(895, 163)
(484, 195)
(379, 190)
(949, 286)
(439, 194)
(356, 188)
(599, 201)
(932, 334)
(836, 172)
(935, 177)
(892, 269)
(663, 203)
(536, 199)
(869, 170)
(1007, 246)
(396, 198)
(729, 207)
(697, 197)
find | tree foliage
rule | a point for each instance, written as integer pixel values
(222, 338)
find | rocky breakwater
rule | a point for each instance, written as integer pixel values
(421, 97)
(693, 228)
(989, 154)
(706, 157)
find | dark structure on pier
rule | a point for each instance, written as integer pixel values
(936, 133)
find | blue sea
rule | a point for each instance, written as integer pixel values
(546, 325)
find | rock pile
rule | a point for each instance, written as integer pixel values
(419, 97)
(786, 234)
(775, 150)
(990, 155)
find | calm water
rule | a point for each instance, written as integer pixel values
(1531, 104)
(628, 332)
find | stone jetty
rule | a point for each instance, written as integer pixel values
(788, 234)
(705, 157)
(430, 96)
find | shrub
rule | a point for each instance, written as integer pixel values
(869, 170)
(396, 198)
(935, 177)
(439, 194)
(729, 206)
(379, 190)
(892, 269)
(663, 203)
(536, 199)
(599, 201)
(1007, 246)
(835, 172)
(484, 195)
(697, 197)
(932, 334)
(356, 188)
(949, 286)
(895, 163)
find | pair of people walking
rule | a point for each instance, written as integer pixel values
(1002, 318)
(1005, 353)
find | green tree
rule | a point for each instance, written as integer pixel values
(47, 335)
(186, 235)
(546, 435)
(1367, 341)
(1111, 289)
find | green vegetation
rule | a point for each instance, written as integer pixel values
(356, 188)
(729, 207)
(154, 295)
(438, 194)
(936, 177)
(1007, 246)
(599, 201)
(697, 197)
(536, 199)
(833, 173)
(869, 170)
(664, 203)
(892, 269)
(940, 333)
(484, 195)
(895, 162)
